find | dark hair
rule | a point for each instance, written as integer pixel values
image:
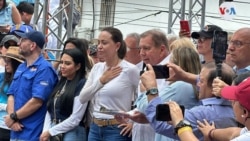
(116, 36)
(81, 44)
(5, 4)
(157, 36)
(227, 73)
(85, 42)
(8, 77)
(25, 7)
(67, 99)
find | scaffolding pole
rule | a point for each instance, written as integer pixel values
(63, 12)
(65, 7)
(181, 13)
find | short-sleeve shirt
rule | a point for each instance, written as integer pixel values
(34, 81)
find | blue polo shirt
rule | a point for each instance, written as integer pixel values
(37, 80)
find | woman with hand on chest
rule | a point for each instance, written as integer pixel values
(111, 84)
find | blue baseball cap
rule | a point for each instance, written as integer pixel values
(20, 28)
(34, 36)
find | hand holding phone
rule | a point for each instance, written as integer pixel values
(163, 112)
(161, 71)
(184, 28)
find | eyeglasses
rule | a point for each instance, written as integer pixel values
(200, 40)
(237, 43)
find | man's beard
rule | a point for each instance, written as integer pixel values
(24, 53)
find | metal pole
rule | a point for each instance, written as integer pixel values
(60, 24)
(190, 14)
(36, 9)
(45, 15)
(170, 16)
(183, 3)
(70, 19)
(203, 14)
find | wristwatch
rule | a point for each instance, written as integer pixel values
(13, 116)
(182, 123)
(152, 91)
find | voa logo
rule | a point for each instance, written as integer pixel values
(227, 10)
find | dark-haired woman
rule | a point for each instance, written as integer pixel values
(12, 61)
(65, 112)
(111, 84)
(82, 45)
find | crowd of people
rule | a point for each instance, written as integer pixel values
(109, 91)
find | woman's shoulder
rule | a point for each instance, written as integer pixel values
(128, 65)
(98, 65)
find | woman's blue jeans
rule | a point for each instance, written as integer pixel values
(76, 134)
(106, 133)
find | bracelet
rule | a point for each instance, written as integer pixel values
(210, 134)
(183, 129)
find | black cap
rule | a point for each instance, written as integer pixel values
(207, 31)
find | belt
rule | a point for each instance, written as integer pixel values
(105, 122)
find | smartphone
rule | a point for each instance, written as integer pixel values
(161, 71)
(163, 112)
(219, 45)
(184, 25)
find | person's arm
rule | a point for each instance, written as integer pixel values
(148, 80)
(225, 134)
(211, 133)
(10, 104)
(68, 124)
(47, 122)
(187, 136)
(160, 127)
(16, 17)
(180, 74)
(72, 121)
(177, 116)
(29, 108)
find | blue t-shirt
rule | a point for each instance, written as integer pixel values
(38, 81)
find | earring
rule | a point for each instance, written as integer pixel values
(242, 116)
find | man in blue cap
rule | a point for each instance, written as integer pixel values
(29, 91)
